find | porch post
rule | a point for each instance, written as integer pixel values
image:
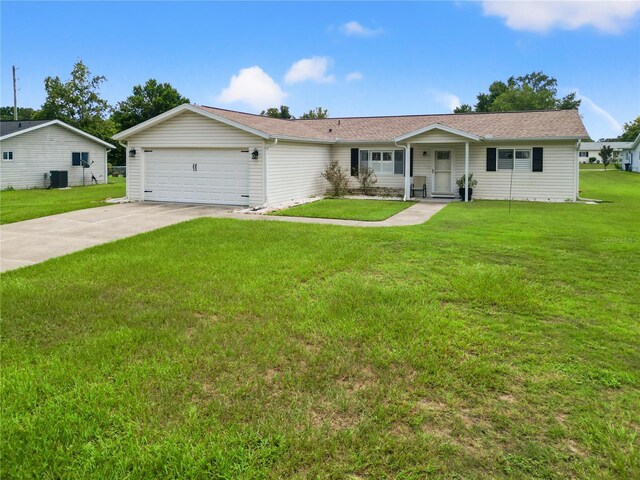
(407, 172)
(466, 171)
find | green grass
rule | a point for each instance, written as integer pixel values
(480, 344)
(595, 166)
(347, 209)
(19, 205)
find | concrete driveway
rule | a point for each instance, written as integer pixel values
(37, 240)
(33, 241)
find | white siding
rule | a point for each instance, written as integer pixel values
(294, 171)
(49, 148)
(190, 130)
(556, 183)
(437, 136)
(343, 154)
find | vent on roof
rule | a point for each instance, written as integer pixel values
(20, 125)
(338, 122)
(330, 130)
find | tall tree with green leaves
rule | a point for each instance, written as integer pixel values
(146, 101)
(319, 112)
(534, 91)
(78, 102)
(631, 130)
(275, 112)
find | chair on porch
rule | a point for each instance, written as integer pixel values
(419, 185)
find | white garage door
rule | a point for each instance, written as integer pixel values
(197, 176)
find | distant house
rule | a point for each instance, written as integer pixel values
(592, 149)
(631, 155)
(200, 154)
(33, 148)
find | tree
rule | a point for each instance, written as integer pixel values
(606, 154)
(534, 91)
(464, 108)
(631, 130)
(146, 101)
(6, 113)
(78, 102)
(319, 112)
(282, 112)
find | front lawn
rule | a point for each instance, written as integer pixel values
(19, 205)
(480, 344)
(347, 209)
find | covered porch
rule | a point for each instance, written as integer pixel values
(436, 155)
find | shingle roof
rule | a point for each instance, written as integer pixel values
(503, 125)
(7, 128)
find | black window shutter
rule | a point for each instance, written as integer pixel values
(75, 158)
(491, 159)
(354, 162)
(536, 165)
(398, 162)
(411, 162)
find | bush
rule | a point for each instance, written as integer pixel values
(367, 179)
(592, 159)
(472, 183)
(337, 177)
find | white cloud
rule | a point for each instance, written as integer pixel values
(544, 15)
(449, 100)
(314, 69)
(598, 118)
(357, 29)
(254, 87)
(353, 76)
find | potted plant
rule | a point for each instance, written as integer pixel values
(470, 184)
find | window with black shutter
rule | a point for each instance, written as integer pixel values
(354, 162)
(491, 159)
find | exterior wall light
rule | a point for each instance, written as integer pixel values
(132, 152)
(254, 154)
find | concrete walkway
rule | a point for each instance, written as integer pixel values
(33, 241)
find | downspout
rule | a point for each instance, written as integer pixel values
(106, 166)
(126, 165)
(265, 170)
(407, 162)
(576, 175)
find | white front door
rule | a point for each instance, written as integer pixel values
(442, 173)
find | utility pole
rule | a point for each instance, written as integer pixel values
(15, 96)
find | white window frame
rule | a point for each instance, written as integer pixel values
(7, 156)
(382, 162)
(513, 165)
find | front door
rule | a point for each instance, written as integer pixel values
(442, 173)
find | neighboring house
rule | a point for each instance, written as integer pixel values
(33, 148)
(592, 149)
(210, 155)
(631, 155)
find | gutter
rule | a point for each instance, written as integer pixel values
(265, 171)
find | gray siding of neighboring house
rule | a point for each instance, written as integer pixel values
(49, 148)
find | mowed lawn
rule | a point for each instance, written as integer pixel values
(347, 209)
(19, 205)
(481, 344)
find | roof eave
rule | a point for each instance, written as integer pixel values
(63, 125)
(128, 133)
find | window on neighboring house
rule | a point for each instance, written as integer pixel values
(382, 162)
(583, 154)
(79, 158)
(510, 158)
(7, 156)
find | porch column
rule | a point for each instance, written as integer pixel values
(466, 171)
(407, 172)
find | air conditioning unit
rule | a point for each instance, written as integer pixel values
(59, 179)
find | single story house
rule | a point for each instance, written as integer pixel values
(210, 155)
(33, 148)
(592, 150)
(631, 155)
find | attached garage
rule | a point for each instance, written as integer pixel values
(212, 175)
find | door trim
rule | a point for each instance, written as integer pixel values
(433, 176)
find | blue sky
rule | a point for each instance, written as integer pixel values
(354, 58)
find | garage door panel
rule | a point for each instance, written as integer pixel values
(222, 176)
